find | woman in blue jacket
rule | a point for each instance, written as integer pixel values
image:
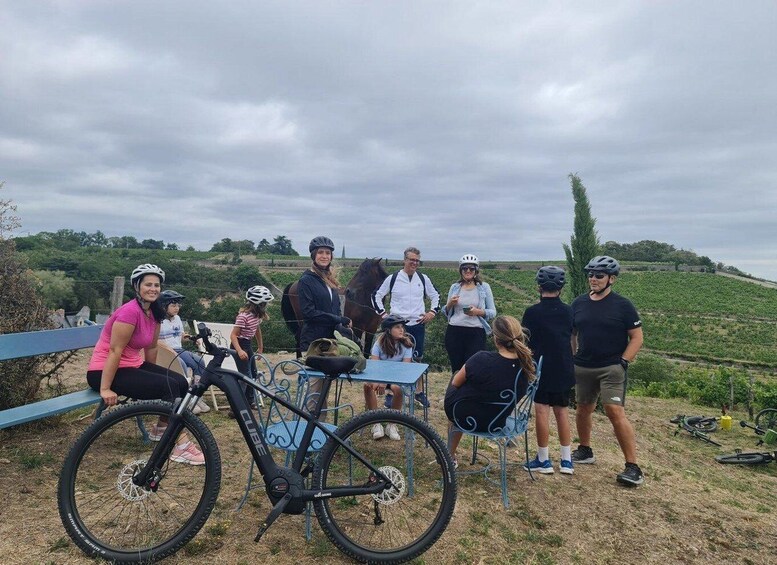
(320, 304)
(469, 308)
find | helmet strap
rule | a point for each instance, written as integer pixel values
(608, 285)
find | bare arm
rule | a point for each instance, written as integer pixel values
(121, 333)
(636, 338)
(235, 344)
(460, 378)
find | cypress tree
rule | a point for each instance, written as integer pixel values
(584, 243)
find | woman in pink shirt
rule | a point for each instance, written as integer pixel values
(123, 361)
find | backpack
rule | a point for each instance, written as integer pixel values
(339, 346)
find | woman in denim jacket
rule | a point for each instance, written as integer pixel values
(469, 307)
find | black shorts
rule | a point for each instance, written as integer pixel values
(552, 398)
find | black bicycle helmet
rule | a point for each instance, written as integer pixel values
(167, 297)
(146, 269)
(391, 320)
(604, 264)
(551, 278)
(321, 241)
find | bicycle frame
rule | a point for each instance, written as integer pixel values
(253, 433)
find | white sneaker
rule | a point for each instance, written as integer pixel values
(201, 407)
(377, 431)
(392, 432)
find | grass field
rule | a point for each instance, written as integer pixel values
(690, 509)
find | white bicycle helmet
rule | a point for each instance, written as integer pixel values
(259, 295)
(143, 270)
(469, 259)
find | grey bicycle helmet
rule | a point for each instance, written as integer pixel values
(259, 295)
(469, 259)
(604, 264)
(143, 270)
(320, 241)
(551, 278)
(392, 320)
(168, 297)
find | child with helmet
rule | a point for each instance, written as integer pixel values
(171, 334)
(124, 359)
(248, 326)
(392, 345)
(550, 336)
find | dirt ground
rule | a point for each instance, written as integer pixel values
(690, 509)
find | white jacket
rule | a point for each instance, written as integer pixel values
(407, 296)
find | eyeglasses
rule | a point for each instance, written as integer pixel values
(469, 269)
(409, 260)
(597, 276)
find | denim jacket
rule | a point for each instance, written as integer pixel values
(485, 302)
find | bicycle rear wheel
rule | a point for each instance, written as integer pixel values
(743, 458)
(107, 515)
(402, 522)
(766, 419)
(703, 424)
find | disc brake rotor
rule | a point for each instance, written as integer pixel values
(124, 484)
(396, 491)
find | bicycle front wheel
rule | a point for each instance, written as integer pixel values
(742, 458)
(403, 521)
(107, 515)
(766, 419)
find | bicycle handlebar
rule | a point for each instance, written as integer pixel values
(203, 333)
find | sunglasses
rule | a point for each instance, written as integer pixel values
(469, 269)
(597, 276)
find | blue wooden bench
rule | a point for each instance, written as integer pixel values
(30, 344)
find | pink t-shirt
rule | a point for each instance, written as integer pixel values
(247, 323)
(142, 337)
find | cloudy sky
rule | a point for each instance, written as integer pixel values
(452, 126)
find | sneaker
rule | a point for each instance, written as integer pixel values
(392, 432)
(155, 434)
(187, 453)
(631, 475)
(388, 400)
(422, 399)
(200, 407)
(583, 454)
(543, 467)
(566, 467)
(377, 431)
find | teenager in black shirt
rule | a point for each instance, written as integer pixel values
(550, 336)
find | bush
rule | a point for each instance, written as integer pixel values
(649, 368)
(21, 310)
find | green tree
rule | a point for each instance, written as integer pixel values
(584, 243)
(282, 246)
(56, 289)
(263, 246)
(224, 246)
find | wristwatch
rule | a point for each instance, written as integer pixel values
(624, 363)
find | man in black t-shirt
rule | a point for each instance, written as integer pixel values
(607, 335)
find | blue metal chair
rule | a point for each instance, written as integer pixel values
(283, 429)
(504, 435)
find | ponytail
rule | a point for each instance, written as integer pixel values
(509, 334)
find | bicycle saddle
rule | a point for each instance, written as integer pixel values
(331, 365)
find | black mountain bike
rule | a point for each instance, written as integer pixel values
(750, 458)
(697, 426)
(123, 499)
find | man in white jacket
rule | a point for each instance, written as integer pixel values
(409, 289)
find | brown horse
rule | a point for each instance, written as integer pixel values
(358, 304)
